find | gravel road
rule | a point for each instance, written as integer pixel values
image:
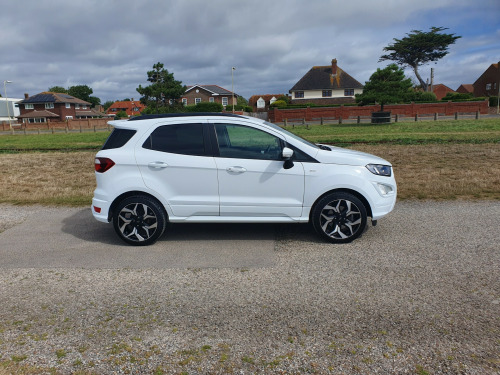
(417, 294)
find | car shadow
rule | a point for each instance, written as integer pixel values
(82, 225)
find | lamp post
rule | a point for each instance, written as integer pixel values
(7, 101)
(232, 85)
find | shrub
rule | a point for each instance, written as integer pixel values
(121, 114)
(204, 107)
(278, 104)
(458, 96)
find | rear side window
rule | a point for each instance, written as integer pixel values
(186, 139)
(118, 138)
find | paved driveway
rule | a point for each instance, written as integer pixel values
(72, 238)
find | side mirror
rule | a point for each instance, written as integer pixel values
(287, 156)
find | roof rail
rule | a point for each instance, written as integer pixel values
(182, 114)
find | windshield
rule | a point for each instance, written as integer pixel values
(286, 132)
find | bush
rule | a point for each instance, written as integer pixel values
(458, 96)
(278, 104)
(420, 96)
(204, 107)
(121, 114)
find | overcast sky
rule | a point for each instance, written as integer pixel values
(110, 45)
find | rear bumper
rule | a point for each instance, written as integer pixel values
(100, 210)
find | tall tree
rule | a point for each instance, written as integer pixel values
(58, 89)
(164, 92)
(386, 86)
(419, 48)
(81, 92)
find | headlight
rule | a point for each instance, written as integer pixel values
(380, 170)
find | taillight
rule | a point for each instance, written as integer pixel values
(103, 164)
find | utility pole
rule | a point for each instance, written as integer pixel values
(432, 80)
(232, 85)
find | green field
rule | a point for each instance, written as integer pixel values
(404, 133)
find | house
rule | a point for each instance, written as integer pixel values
(261, 103)
(466, 88)
(326, 85)
(208, 93)
(441, 90)
(53, 106)
(130, 107)
(488, 84)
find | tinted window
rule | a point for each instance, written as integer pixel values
(118, 138)
(184, 139)
(247, 143)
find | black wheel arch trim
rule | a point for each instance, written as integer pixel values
(343, 190)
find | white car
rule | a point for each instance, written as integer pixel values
(233, 169)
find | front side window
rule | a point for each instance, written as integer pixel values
(186, 139)
(243, 142)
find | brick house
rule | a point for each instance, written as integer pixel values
(130, 107)
(326, 85)
(53, 106)
(441, 90)
(466, 88)
(488, 83)
(208, 93)
(261, 103)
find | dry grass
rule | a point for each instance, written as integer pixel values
(453, 171)
(465, 171)
(48, 178)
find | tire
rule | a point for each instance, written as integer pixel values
(139, 220)
(339, 217)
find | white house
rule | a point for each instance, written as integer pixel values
(326, 85)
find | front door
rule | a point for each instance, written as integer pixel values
(252, 180)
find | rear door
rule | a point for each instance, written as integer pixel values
(176, 162)
(252, 180)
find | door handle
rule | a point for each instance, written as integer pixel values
(236, 170)
(157, 164)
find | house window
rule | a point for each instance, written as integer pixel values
(49, 105)
(211, 99)
(224, 101)
(299, 94)
(84, 106)
(29, 106)
(488, 86)
(69, 117)
(184, 101)
(36, 119)
(68, 105)
(349, 92)
(77, 106)
(327, 93)
(197, 100)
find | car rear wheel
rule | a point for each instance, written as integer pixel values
(139, 220)
(339, 217)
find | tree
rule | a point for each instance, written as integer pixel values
(58, 89)
(81, 92)
(388, 85)
(108, 104)
(419, 48)
(164, 92)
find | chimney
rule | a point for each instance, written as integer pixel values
(334, 66)
(26, 96)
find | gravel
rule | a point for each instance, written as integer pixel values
(417, 294)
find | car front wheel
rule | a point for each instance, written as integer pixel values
(339, 217)
(139, 220)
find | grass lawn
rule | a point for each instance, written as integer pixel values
(432, 160)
